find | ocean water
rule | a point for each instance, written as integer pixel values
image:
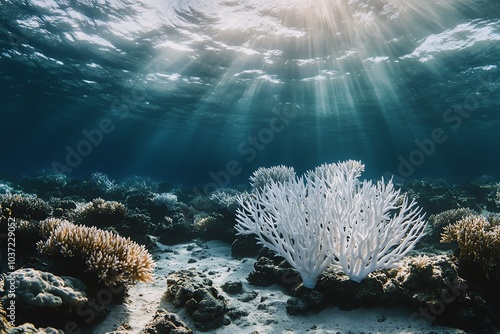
(204, 92)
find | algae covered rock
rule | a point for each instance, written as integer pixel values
(165, 322)
(201, 300)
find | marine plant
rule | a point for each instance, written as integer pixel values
(327, 216)
(115, 259)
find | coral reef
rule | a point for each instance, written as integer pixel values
(46, 183)
(101, 182)
(440, 220)
(225, 199)
(26, 206)
(478, 240)
(133, 184)
(436, 195)
(99, 212)
(168, 200)
(456, 290)
(6, 187)
(265, 175)
(112, 257)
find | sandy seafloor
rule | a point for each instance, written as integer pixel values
(214, 259)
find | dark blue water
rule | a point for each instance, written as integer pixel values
(208, 91)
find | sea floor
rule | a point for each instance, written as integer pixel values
(267, 312)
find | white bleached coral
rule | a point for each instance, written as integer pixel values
(329, 217)
(43, 289)
(114, 258)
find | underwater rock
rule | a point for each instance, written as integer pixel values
(305, 301)
(270, 269)
(436, 195)
(180, 232)
(232, 287)
(28, 328)
(207, 309)
(245, 246)
(179, 228)
(214, 227)
(42, 298)
(165, 322)
(430, 285)
(339, 290)
(140, 200)
(34, 288)
(296, 306)
(192, 290)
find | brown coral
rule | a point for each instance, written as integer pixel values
(114, 258)
(478, 240)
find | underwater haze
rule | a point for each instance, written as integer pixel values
(207, 91)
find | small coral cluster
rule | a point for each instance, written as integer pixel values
(225, 198)
(449, 217)
(168, 200)
(264, 175)
(100, 211)
(478, 239)
(115, 259)
(25, 206)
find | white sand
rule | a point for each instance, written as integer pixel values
(145, 299)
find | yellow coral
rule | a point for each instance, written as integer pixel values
(112, 257)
